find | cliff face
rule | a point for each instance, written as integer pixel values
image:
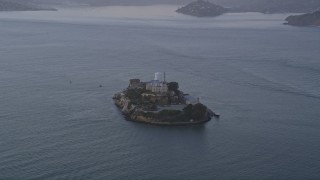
(202, 8)
(309, 19)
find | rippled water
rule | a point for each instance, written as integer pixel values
(57, 123)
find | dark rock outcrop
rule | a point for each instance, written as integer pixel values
(309, 19)
(201, 8)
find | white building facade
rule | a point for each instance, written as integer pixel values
(156, 85)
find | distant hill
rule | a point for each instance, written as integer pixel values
(264, 6)
(9, 6)
(201, 8)
(103, 2)
(6, 5)
(271, 6)
(309, 19)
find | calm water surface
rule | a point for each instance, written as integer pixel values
(56, 123)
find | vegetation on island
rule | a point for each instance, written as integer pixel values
(173, 86)
(191, 113)
(196, 111)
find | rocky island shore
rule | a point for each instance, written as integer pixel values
(201, 8)
(162, 103)
(309, 19)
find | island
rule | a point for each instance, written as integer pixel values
(161, 103)
(201, 8)
(309, 19)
